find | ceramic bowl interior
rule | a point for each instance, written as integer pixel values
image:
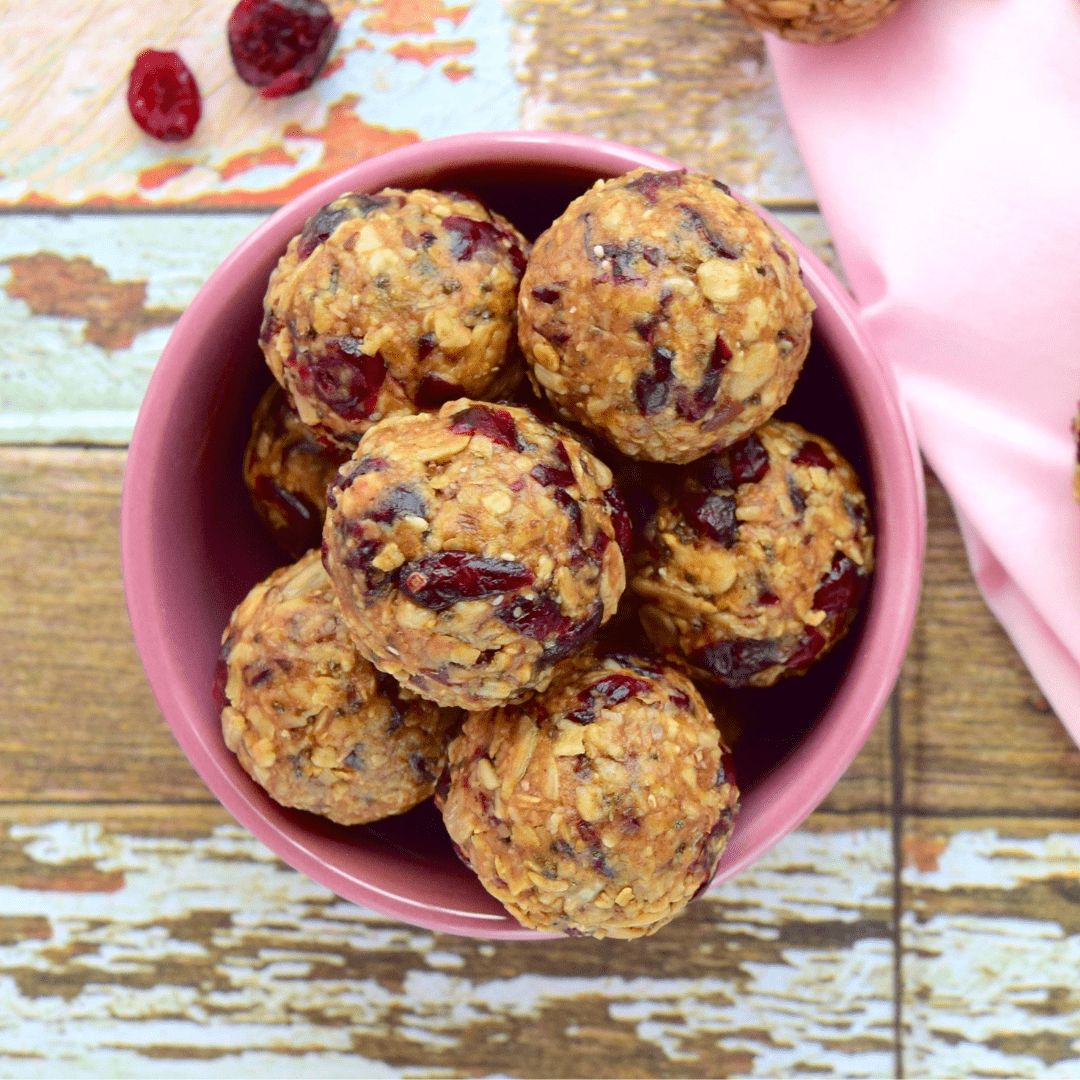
(193, 547)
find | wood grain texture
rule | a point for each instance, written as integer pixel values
(684, 78)
(991, 935)
(75, 362)
(138, 935)
(77, 720)
(977, 733)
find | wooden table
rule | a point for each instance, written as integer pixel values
(924, 921)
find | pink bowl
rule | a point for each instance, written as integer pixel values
(192, 546)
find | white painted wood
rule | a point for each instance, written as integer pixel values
(974, 979)
(253, 1004)
(55, 386)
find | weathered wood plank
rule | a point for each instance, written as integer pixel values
(977, 733)
(87, 303)
(166, 933)
(77, 720)
(86, 306)
(991, 936)
(79, 723)
(682, 76)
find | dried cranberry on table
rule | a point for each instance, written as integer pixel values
(163, 96)
(280, 45)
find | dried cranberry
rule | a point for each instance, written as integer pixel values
(538, 619)
(646, 328)
(299, 526)
(714, 473)
(713, 515)
(810, 453)
(271, 327)
(163, 96)
(652, 387)
(319, 227)
(679, 699)
(441, 580)
(442, 787)
(749, 460)
(734, 662)
(359, 556)
(345, 378)
(722, 186)
(583, 715)
(255, 674)
(572, 509)
(361, 466)
(434, 391)
(497, 424)
(280, 45)
(588, 833)
(618, 687)
(390, 689)
(649, 184)
(694, 220)
(421, 767)
(622, 263)
(561, 475)
(574, 638)
(221, 674)
(399, 502)
(620, 520)
(545, 295)
(472, 236)
(810, 643)
(841, 588)
(425, 345)
(705, 395)
(768, 599)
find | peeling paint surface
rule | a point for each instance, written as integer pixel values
(995, 993)
(68, 140)
(213, 953)
(62, 380)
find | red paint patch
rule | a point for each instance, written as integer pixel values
(157, 175)
(922, 851)
(414, 16)
(269, 155)
(115, 311)
(75, 881)
(433, 51)
(455, 72)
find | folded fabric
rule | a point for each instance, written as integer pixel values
(944, 147)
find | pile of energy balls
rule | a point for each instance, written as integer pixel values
(507, 587)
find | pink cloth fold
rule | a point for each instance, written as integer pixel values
(944, 147)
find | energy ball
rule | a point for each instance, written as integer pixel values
(816, 22)
(472, 548)
(665, 315)
(601, 807)
(287, 469)
(309, 719)
(391, 303)
(756, 559)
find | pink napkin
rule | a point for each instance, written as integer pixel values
(944, 147)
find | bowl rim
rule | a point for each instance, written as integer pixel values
(793, 789)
